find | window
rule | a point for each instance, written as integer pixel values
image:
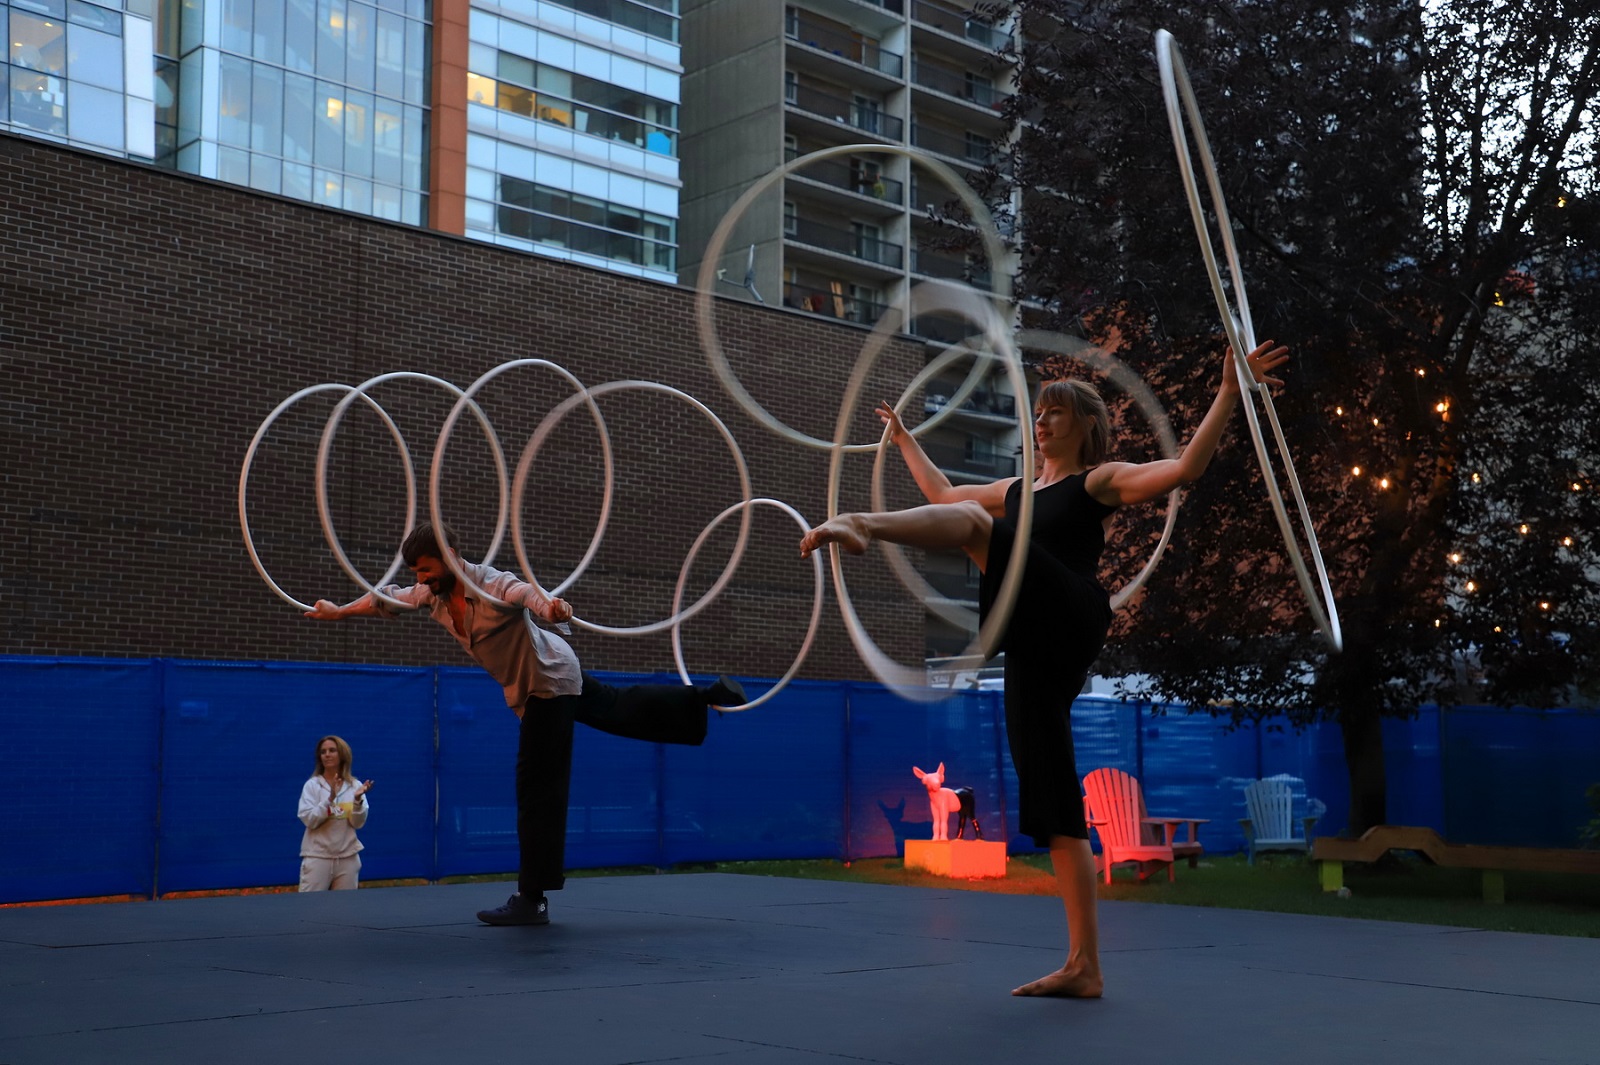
(791, 219)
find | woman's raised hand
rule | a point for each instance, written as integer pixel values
(1268, 356)
(886, 414)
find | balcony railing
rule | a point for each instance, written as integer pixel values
(852, 113)
(948, 268)
(850, 178)
(972, 148)
(956, 84)
(980, 401)
(957, 24)
(833, 304)
(846, 46)
(984, 463)
(847, 241)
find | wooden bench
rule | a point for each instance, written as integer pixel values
(1377, 841)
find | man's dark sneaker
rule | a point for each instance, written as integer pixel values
(725, 692)
(519, 909)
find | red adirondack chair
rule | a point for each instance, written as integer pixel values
(1115, 805)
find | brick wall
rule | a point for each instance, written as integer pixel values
(149, 322)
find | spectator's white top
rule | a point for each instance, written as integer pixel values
(328, 836)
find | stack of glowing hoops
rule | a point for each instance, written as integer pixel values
(985, 312)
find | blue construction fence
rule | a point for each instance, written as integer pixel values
(153, 776)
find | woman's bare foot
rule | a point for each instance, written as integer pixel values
(849, 531)
(1064, 983)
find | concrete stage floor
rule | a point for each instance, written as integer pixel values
(740, 970)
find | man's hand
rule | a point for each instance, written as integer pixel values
(325, 611)
(557, 611)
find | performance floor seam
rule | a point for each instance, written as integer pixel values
(1425, 986)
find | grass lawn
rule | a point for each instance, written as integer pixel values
(1405, 890)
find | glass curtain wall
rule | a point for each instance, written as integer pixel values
(80, 72)
(321, 100)
(572, 143)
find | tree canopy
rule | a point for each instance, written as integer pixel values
(1413, 191)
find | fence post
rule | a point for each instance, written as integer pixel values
(995, 704)
(845, 742)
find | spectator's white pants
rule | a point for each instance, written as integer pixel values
(330, 874)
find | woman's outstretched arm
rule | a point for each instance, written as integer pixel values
(1121, 483)
(935, 486)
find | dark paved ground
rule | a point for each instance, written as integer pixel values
(756, 971)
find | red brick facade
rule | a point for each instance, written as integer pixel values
(149, 322)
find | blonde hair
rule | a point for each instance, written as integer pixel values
(1087, 406)
(345, 758)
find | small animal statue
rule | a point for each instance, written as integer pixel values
(943, 802)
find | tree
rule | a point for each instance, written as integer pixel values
(1414, 197)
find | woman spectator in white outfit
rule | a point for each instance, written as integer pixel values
(332, 806)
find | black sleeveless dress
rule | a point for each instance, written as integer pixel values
(1057, 629)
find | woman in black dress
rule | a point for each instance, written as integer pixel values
(1059, 622)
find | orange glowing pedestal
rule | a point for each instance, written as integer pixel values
(957, 857)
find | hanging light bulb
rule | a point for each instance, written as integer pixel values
(1566, 541)
(1476, 478)
(1455, 556)
(1338, 410)
(1545, 605)
(1523, 529)
(1355, 471)
(1383, 483)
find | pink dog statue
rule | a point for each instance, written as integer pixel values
(943, 802)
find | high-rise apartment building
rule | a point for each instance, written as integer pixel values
(765, 83)
(542, 125)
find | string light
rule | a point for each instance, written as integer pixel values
(1338, 410)
(1355, 471)
(1476, 478)
(1375, 421)
(1523, 529)
(1566, 541)
(1421, 372)
(1544, 605)
(1383, 483)
(1455, 556)
(1442, 407)
(1437, 622)
(1497, 628)
(1576, 487)
(1472, 586)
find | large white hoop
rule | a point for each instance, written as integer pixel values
(323, 510)
(706, 282)
(436, 469)
(555, 416)
(1241, 331)
(816, 600)
(249, 461)
(911, 684)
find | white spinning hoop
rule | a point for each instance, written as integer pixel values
(1241, 331)
(435, 473)
(326, 514)
(907, 683)
(816, 600)
(249, 461)
(706, 283)
(678, 617)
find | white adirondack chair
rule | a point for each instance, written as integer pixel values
(1270, 826)
(1115, 805)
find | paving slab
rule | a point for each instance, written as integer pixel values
(744, 970)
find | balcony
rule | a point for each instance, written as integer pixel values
(955, 23)
(833, 304)
(950, 268)
(850, 178)
(967, 148)
(846, 242)
(961, 85)
(980, 401)
(851, 46)
(867, 118)
(976, 461)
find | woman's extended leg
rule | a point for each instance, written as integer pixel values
(1073, 862)
(936, 525)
